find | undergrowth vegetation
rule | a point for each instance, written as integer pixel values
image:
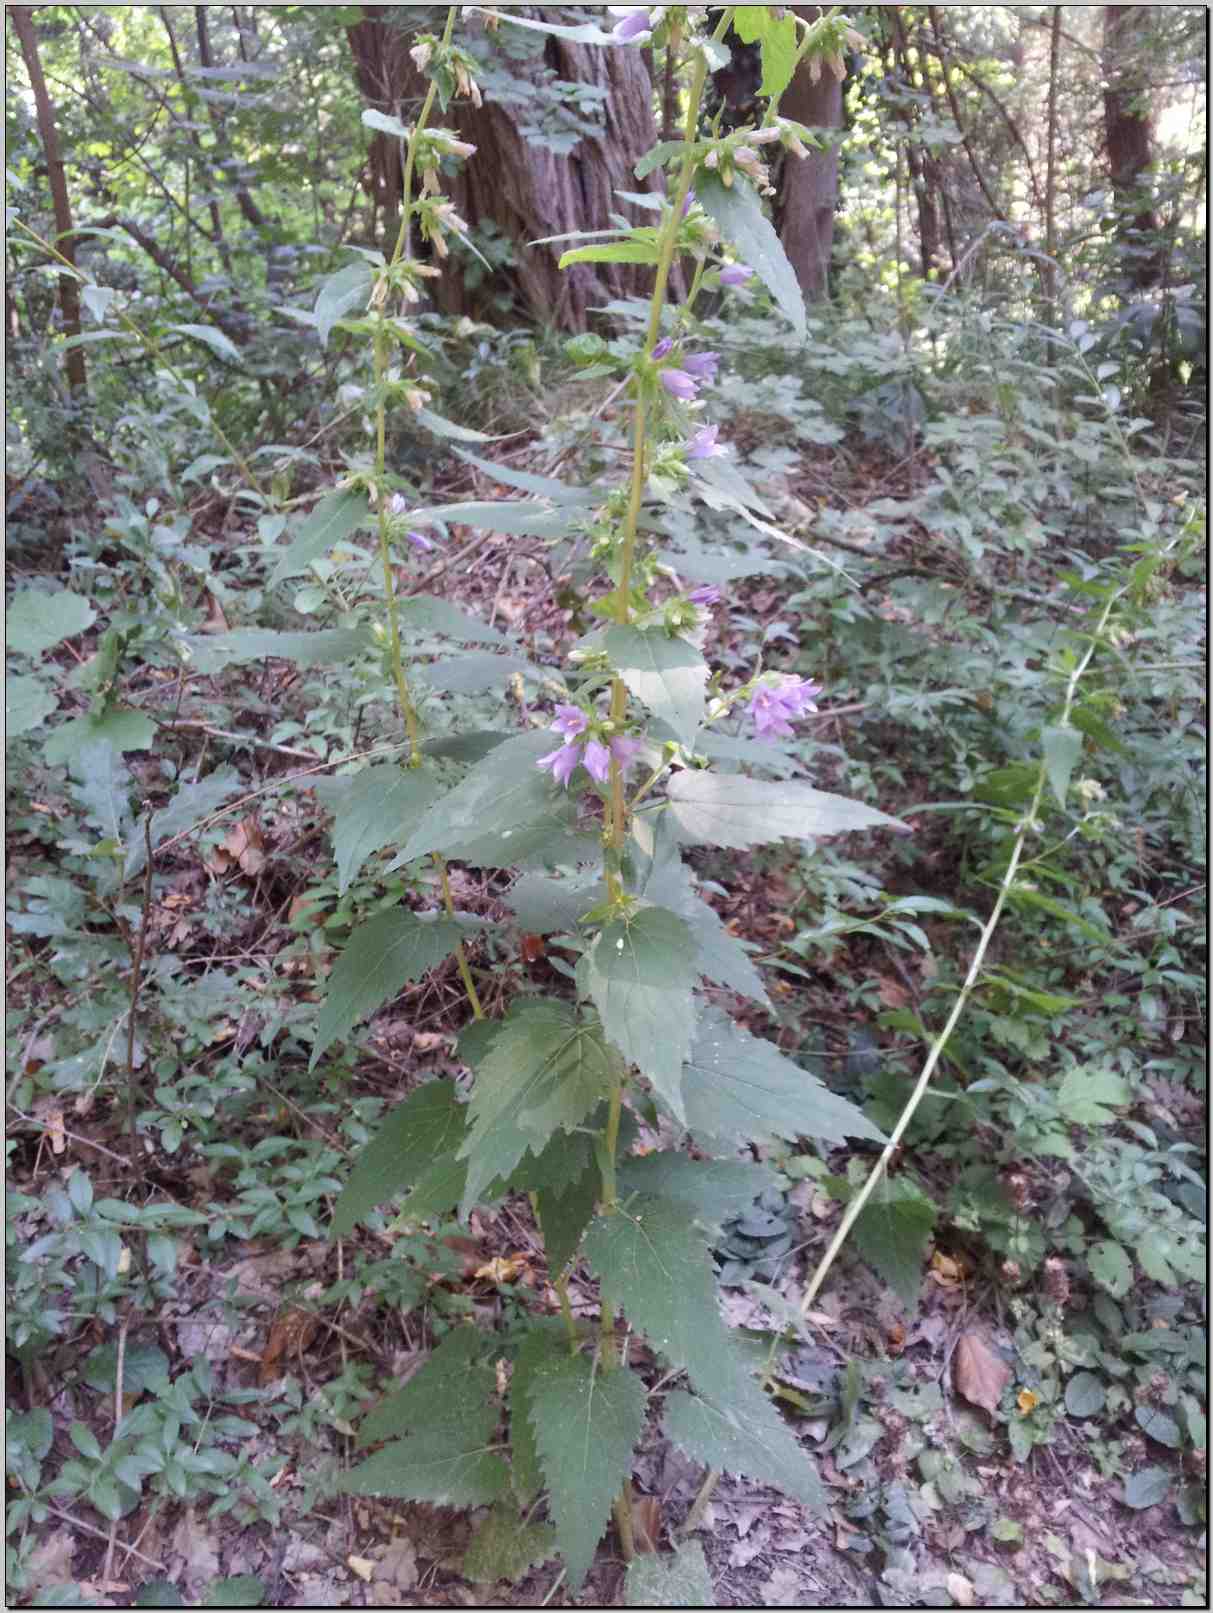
(621, 835)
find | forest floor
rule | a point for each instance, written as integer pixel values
(993, 1533)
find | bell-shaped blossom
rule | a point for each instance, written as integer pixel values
(689, 203)
(703, 444)
(570, 721)
(597, 760)
(702, 366)
(420, 541)
(663, 347)
(680, 384)
(735, 274)
(561, 762)
(706, 595)
(635, 22)
(773, 705)
(624, 750)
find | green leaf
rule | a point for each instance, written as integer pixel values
(372, 809)
(1085, 1395)
(385, 123)
(587, 1423)
(468, 673)
(35, 620)
(506, 790)
(333, 520)
(1021, 896)
(1062, 748)
(188, 807)
(431, 1466)
(544, 1340)
(640, 973)
(158, 1593)
(778, 56)
(738, 1087)
(430, 1123)
(241, 1590)
(27, 703)
(564, 1216)
(892, 1233)
(1147, 1487)
(737, 210)
(544, 1070)
(447, 428)
(584, 33)
(683, 1579)
(751, 1440)
(526, 482)
(666, 674)
(211, 653)
(1111, 1267)
(728, 809)
(349, 288)
(423, 615)
(450, 1394)
(543, 904)
(103, 783)
(1160, 1426)
(523, 519)
(120, 729)
(380, 957)
(652, 1260)
(611, 252)
(714, 1190)
(142, 1366)
(1086, 1091)
(504, 1547)
(657, 156)
(214, 339)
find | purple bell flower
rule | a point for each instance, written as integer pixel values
(702, 366)
(706, 596)
(736, 274)
(597, 759)
(689, 203)
(771, 707)
(663, 347)
(703, 444)
(561, 762)
(679, 384)
(420, 541)
(570, 721)
(629, 27)
(625, 750)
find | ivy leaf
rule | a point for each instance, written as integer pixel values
(506, 790)
(751, 1440)
(727, 809)
(331, 522)
(544, 1070)
(1062, 747)
(892, 1233)
(737, 210)
(36, 621)
(379, 958)
(503, 1547)
(652, 1260)
(737, 1086)
(640, 973)
(683, 1579)
(372, 809)
(665, 673)
(587, 1423)
(713, 1190)
(27, 703)
(432, 1122)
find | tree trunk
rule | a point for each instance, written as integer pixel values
(810, 184)
(69, 292)
(524, 188)
(248, 207)
(1128, 127)
(924, 170)
(1050, 271)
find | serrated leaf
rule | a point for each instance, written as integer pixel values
(892, 1233)
(542, 903)
(751, 1440)
(587, 1423)
(448, 428)
(737, 210)
(1111, 1267)
(36, 621)
(714, 1190)
(666, 674)
(1062, 747)
(373, 809)
(1160, 1426)
(450, 1393)
(728, 809)
(121, 730)
(504, 1547)
(423, 614)
(1147, 1487)
(431, 1467)
(544, 1341)
(189, 806)
(212, 338)
(1087, 1090)
(640, 973)
(211, 653)
(584, 33)
(28, 702)
(657, 156)
(507, 790)
(778, 56)
(681, 1580)
(101, 788)
(652, 1260)
(564, 1216)
(738, 1087)
(333, 520)
(380, 957)
(429, 1124)
(1085, 1395)
(544, 1070)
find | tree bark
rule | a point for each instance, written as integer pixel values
(810, 184)
(527, 190)
(1128, 127)
(69, 290)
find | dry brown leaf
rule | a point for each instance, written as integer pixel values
(364, 1567)
(292, 1332)
(646, 1522)
(502, 1268)
(54, 1126)
(1027, 1400)
(216, 621)
(978, 1371)
(892, 993)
